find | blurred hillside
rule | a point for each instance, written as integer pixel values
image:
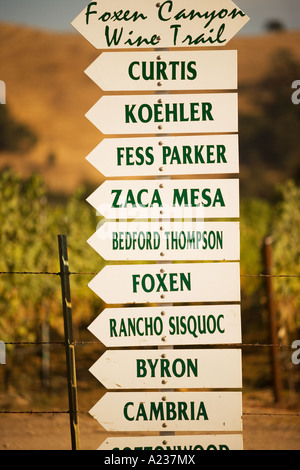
(47, 90)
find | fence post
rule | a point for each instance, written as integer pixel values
(2, 353)
(277, 386)
(69, 341)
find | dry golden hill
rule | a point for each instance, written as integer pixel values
(48, 90)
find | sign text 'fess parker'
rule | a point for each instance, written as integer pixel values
(153, 114)
(107, 25)
(180, 155)
(184, 70)
(157, 199)
(190, 282)
(151, 241)
(188, 368)
(156, 326)
(169, 411)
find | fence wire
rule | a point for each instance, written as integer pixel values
(53, 412)
(76, 343)
(95, 273)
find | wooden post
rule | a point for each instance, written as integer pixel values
(277, 385)
(2, 353)
(69, 341)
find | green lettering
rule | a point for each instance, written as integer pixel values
(112, 328)
(202, 412)
(219, 198)
(141, 368)
(125, 411)
(141, 413)
(206, 111)
(130, 71)
(156, 412)
(129, 116)
(115, 201)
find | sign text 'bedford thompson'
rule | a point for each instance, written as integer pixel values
(204, 241)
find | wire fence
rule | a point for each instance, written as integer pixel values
(79, 343)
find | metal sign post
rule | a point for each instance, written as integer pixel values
(69, 340)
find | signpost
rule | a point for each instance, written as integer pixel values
(168, 325)
(146, 369)
(173, 23)
(184, 70)
(180, 155)
(150, 114)
(186, 241)
(190, 282)
(157, 199)
(192, 131)
(172, 411)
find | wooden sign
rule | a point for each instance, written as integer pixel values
(176, 23)
(180, 155)
(169, 326)
(169, 411)
(168, 443)
(157, 199)
(166, 114)
(181, 241)
(184, 70)
(184, 368)
(2, 353)
(193, 282)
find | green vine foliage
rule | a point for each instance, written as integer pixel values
(29, 228)
(286, 256)
(30, 223)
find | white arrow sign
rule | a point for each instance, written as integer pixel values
(200, 282)
(186, 241)
(187, 368)
(176, 23)
(169, 411)
(157, 199)
(153, 114)
(157, 326)
(117, 71)
(180, 155)
(184, 442)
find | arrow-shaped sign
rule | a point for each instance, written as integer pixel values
(192, 282)
(180, 155)
(157, 199)
(151, 241)
(169, 326)
(176, 23)
(184, 70)
(167, 443)
(167, 114)
(187, 368)
(169, 411)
